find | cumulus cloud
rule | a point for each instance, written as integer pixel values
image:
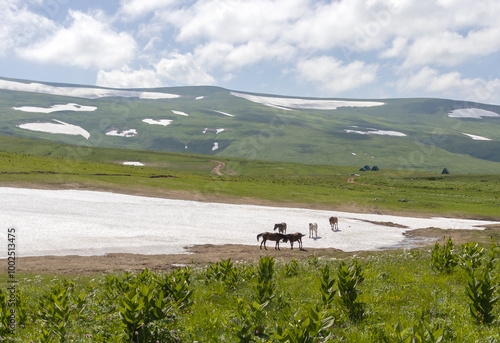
(19, 26)
(451, 84)
(133, 9)
(89, 41)
(334, 75)
(452, 48)
(183, 70)
(128, 78)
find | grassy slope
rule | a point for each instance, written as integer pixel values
(256, 181)
(433, 140)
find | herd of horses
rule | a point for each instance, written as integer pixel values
(281, 235)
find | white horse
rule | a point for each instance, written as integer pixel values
(313, 227)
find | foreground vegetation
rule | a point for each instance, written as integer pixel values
(448, 293)
(166, 174)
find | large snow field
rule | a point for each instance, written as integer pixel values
(73, 222)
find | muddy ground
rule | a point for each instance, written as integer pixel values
(201, 255)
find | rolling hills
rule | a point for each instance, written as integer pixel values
(421, 134)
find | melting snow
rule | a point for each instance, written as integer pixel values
(61, 128)
(216, 146)
(476, 138)
(57, 108)
(377, 132)
(180, 113)
(317, 104)
(82, 92)
(475, 113)
(133, 163)
(224, 113)
(73, 222)
(213, 130)
(124, 133)
(163, 122)
(199, 97)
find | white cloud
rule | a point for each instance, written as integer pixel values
(451, 48)
(334, 75)
(235, 21)
(89, 41)
(451, 84)
(133, 9)
(183, 69)
(128, 78)
(19, 26)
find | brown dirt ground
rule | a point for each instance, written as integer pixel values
(201, 255)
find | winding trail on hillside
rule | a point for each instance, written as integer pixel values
(217, 169)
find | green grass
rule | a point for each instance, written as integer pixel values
(322, 186)
(433, 140)
(397, 287)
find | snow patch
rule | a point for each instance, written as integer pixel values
(56, 108)
(475, 113)
(224, 113)
(216, 146)
(124, 133)
(83, 92)
(74, 222)
(316, 104)
(180, 113)
(377, 132)
(163, 122)
(199, 97)
(217, 131)
(133, 163)
(476, 138)
(61, 128)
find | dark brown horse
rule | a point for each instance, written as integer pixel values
(334, 223)
(272, 236)
(281, 227)
(295, 237)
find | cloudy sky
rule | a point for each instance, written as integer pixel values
(321, 48)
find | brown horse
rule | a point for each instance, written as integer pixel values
(334, 223)
(272, 236)
(295, 237)
(281, 227)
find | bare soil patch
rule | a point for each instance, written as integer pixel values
(202, 255)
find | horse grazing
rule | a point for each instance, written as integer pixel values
(281, 227)
(272, 236)
(334, 223)
(295, 237)
(313, 227)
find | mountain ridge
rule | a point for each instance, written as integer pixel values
(401, 133)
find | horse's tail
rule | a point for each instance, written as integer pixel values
(258, 236)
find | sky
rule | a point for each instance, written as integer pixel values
(365, 49)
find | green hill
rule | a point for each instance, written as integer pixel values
(406, 134)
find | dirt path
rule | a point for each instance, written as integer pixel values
(217, 169)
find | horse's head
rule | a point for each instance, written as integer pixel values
(285, 238)
(276, 226)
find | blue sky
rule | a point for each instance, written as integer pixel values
(323, 48)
